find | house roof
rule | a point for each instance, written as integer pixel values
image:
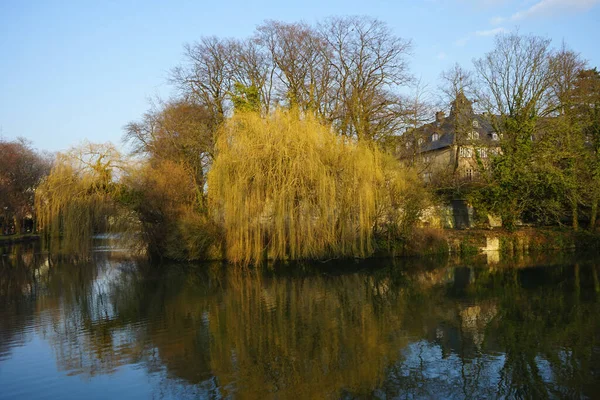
(446, 130)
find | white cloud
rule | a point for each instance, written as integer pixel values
(497, 20)
(462, 42)
(491, 32)
(549, 8)
(482, 4)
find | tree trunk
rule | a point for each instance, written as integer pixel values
(594, 214)
(575, 213)
(455, 177)
(16, 221)
(577, 281)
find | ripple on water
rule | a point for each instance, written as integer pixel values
(111, 329)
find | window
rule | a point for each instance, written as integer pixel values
(494, 136)
(435, 137)
(426, 158)
(475, 124)
(469, 174)
(466, 152)
(408, 145)
(421, 141)
(473, 135)
(427, 176)
(483, 153)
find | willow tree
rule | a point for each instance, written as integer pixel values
(287, 187)
(79, 195)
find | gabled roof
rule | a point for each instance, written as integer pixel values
(447, 135)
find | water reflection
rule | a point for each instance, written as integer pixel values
(416, 328)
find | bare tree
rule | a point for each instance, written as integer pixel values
(302, 68)
(516, 77)
(370, 64)
(347, 71)
(456, 80)
(565, 67)
(458, 88)
(205, 76)
(181, 132)
(418, 110)
(252, 66)
(21, 170)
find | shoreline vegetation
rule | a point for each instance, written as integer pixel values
(498, 245)
(299, 143)
(18, 238)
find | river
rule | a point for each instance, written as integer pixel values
(111, 327)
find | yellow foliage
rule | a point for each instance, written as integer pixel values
(287, 187)
(164, 197)
(77, 197)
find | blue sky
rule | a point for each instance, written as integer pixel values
(75, 70)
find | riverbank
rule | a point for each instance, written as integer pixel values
(474, 241)
(438, 241)
(468, 242)
(18, 238)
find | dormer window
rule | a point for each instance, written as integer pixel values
(473, 135)
(421, 141)
(475, 124)
(495, 136)
(435, 137)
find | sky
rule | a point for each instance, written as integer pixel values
(77, 70)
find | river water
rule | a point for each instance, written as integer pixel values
(111, 327)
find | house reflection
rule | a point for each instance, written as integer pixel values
(416, 328)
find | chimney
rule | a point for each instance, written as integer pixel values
(439, 117)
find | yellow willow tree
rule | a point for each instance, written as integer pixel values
(287, 187)
(78, 198)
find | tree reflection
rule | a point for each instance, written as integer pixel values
(416, 328)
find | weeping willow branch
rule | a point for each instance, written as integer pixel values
(286, 187)
(77, 198)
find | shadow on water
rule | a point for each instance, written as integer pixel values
(406, 328)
